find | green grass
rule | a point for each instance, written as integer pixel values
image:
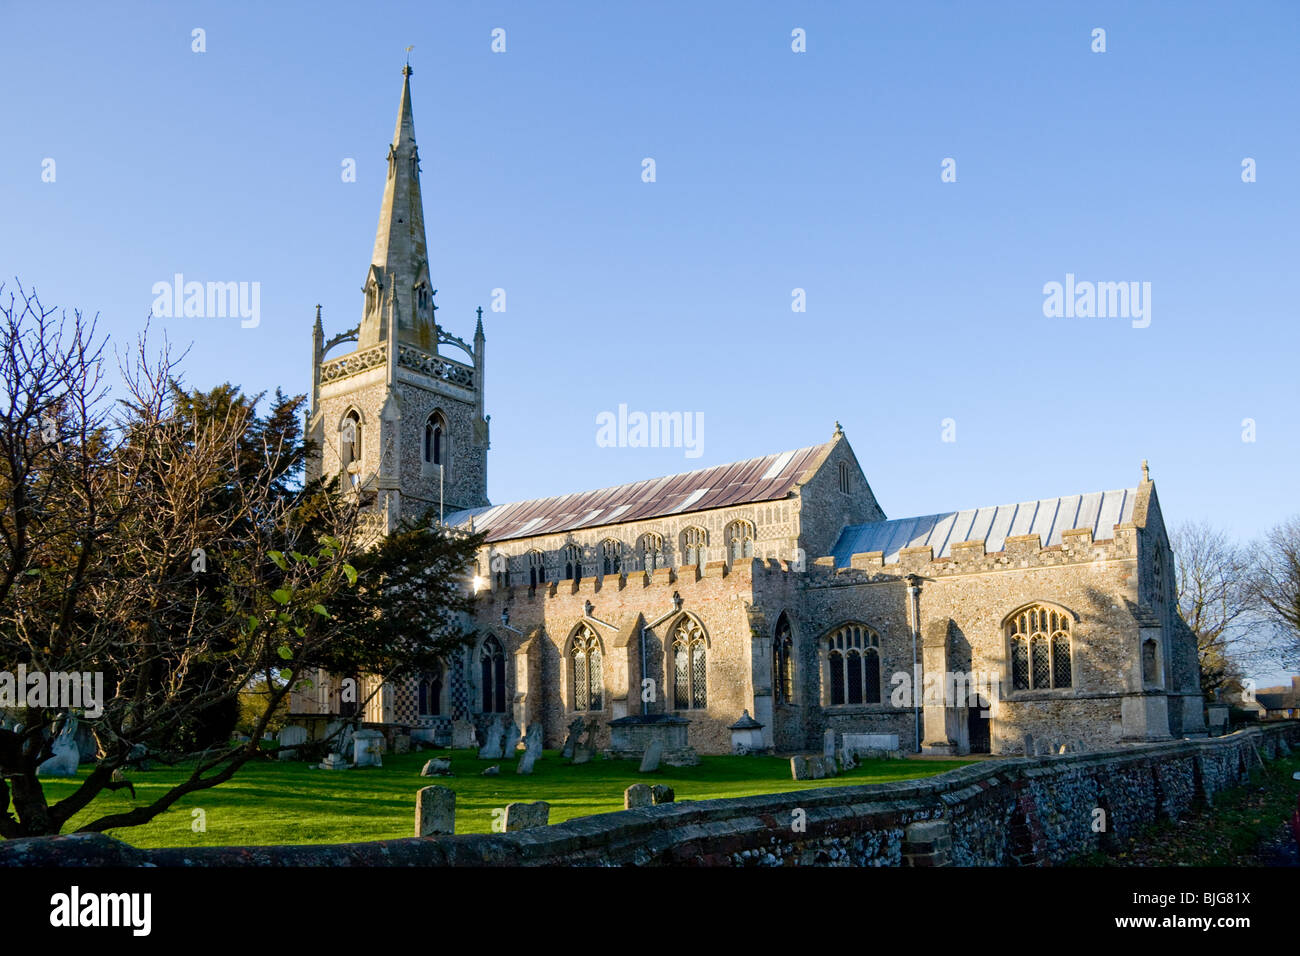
(271, 802)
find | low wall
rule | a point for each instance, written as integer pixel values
(1014, 811)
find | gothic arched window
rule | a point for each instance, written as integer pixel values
(853, 665)
(611, 555)
(492, 673)
(844, 477)
(573, 563)
(783, 662)
(536, 568)
(350, 445)
(586, 661)
(429, 693)
(1038, 648)
(690, 665)
(693, 543)
(650, 551)
(739, 537)
(436, 440)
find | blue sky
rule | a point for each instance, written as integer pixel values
(774, 171)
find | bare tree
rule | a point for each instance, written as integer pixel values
(1278, 589)
(1215, 597)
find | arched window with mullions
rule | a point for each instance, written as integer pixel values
(690, 665)
(693, 543)
(536, 568)
(573, 563)
(492, 675)
(739, 537)
(611, 554)
(783, 662)
(436, 442)
(650, 551)
(586, 662)
(1039, 648)
(429, 692)
(852, 656)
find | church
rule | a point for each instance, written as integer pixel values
(772, 595)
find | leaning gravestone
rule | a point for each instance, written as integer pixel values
(463, 735)
(491, 749)
(799, 769)
(435, 811)
(437, 767)
(526, 816)
(653, 753)
(66, 755)
(571, 740)
(532, 751)
(638, 795)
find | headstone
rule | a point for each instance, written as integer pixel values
(848, 760)
(526, 816)
(532, 751)
(511, 742)
(290, 738)
(861, 742)
(638, 795)
(653, 753)
(571, 739)
(828, 744)
(799, 769)
(464, 736)
(526, 761)
(581, 755)
(437, 767)
(662, 793)
(491, 771)
(491, 749)
(828, 766)
(435, 811)
(66, 754)
(402, 744)
(367, 745)
(815, 765)
(139, 757)
(334, 762)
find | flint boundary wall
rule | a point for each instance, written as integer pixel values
(1006, 812)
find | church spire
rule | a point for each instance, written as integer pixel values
(399, 270)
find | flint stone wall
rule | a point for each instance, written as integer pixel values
(1015, 811)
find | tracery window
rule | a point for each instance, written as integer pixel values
(492, 671)
(611, 553)
(436, 440)
(573, 563)
(586, 661)
(739, 537)
(690, 665)
(1038, 648)
(693, 543)
(536, 568)
(429, 693)
(650, 551)
(783, 662)
(853, 665)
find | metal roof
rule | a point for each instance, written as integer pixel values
(768, 478)
(1047, 518)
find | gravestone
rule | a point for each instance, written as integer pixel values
(532, 750)
(799, 769)
(848, 760)
(464, 736)
(291, 737)
(828, 744)
(66, 754)
(815, 765)
(828, 766)
(491, 749)
(580, 755)
(491, 771)
(367, 745)
(638, 795)
(571, 739)
(435, 811)
(437, 767)
(511, 743)
(650, 762)
(402, 744)
(334, 762)
(526, 816)
(662, 793)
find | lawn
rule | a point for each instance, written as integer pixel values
(273, 802)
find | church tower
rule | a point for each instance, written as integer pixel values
(397, 420)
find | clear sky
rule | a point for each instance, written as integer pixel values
(775, 170)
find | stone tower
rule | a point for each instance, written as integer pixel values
(395, 419)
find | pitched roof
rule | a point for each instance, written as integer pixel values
(1277, 701)
(768, 478)
(1047, 518)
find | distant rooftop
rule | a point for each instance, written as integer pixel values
(769, 478)
(1047, 518)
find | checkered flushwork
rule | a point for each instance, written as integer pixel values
(405, 703)
(459, 694)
